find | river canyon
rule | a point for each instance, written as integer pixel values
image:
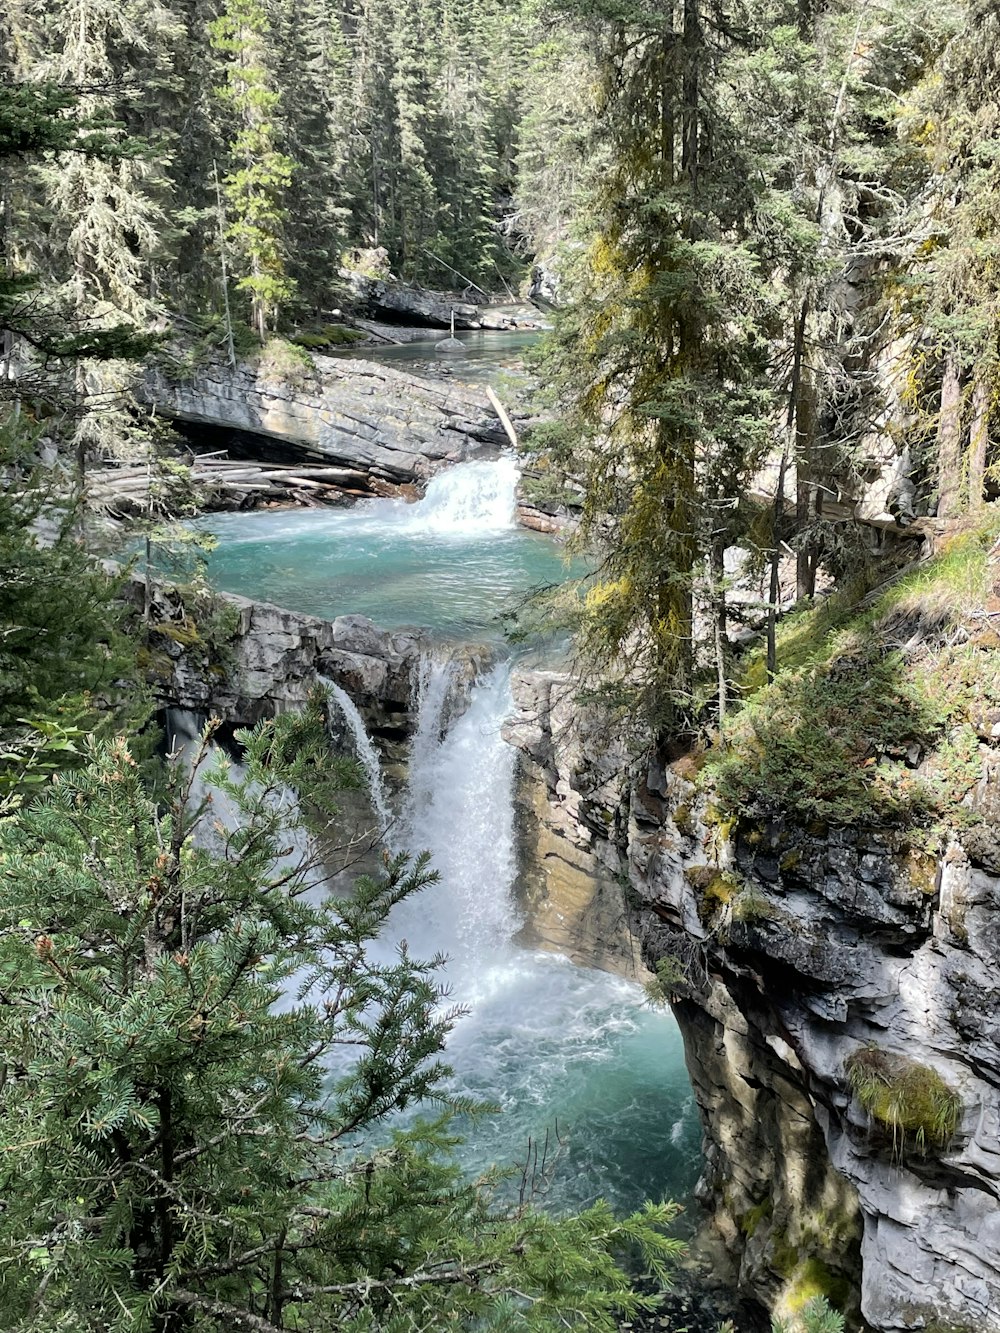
(565, 1051)
(558, 855)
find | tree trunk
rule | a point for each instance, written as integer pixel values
(667, 96)
(774, 583)
(805, 489)
(717, 590)
(978, 441)
(950, 441)
(691, 90)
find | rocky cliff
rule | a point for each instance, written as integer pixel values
(837, 992)
(241, 660)
(571, 821)
(394, 427)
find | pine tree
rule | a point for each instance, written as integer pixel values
(260, 172)
(677, 411)
(313, 71)
(204, 1059)
(955, 119)
(64, 660)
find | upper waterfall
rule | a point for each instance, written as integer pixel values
(466, 499)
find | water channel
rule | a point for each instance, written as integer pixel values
(549, 1042)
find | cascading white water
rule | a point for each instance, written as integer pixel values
(468, 498)
(460, 807)
(545, 1040)
(451, 562)
(433, 684)
(366, 753)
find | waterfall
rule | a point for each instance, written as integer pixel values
(469, 498)
(544, 1039)
(366, 753)
(181, 728)
(460, 807)
(432, 686)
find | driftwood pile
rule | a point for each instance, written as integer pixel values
(223, 483)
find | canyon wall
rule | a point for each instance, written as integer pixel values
(791, 955)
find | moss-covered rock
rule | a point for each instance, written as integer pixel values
(910, 1101)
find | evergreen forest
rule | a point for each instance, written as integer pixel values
(752, 251)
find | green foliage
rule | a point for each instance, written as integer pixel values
(948, 290)
(260, 174)
(43, 117)
(826, 744)
(287, 362)
(670, 974)
(64, 659)
(663, 367)
(816, 1316)
(205, 1051)
(868, 685)
(912, 1102)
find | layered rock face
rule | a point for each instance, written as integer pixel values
(793, 956)
(394, 427)
(570, 821)
(797, 951)
(241, 661)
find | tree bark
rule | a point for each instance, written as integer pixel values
(806, 490)
(950, 440)
(692, 43)
(978, 441)
(717, 560)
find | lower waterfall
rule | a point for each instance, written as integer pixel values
(552, 1044)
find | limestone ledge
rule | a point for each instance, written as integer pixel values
(396, 427)
(268, 660)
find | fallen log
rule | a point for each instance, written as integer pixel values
(505, 420)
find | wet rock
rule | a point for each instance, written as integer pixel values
(569, 805)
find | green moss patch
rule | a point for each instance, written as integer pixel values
(912, 1102)
(330, 335)
(876, 715)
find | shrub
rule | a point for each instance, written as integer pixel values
(281, 360)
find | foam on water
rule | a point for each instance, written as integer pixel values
(469, 498)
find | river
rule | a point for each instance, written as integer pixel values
(557, 1047)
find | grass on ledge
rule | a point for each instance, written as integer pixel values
(868, 688)
(911, 1101)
